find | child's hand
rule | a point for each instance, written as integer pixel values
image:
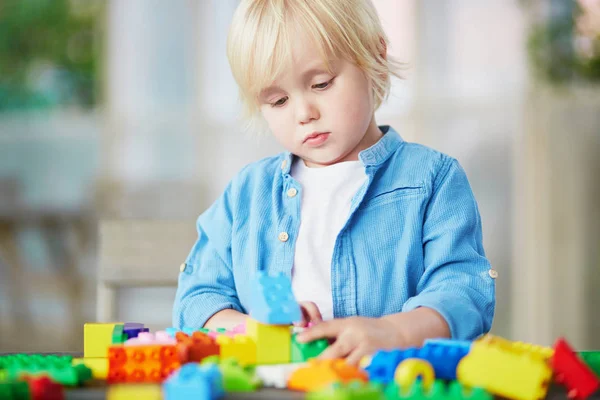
(310, 314)
(355, 337)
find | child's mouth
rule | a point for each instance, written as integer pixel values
(316, 139)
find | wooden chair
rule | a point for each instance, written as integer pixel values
(139, 253)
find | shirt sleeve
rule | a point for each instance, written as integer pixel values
(206, 284)
(456, 282)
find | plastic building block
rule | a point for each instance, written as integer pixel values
(147, 338)
(133, 329)
(592, 359)
(237, 378)
(273, 301)
(504, 371)
(146, 391)
(240, 347)
(58, 368)
(439, 391)
(519, 347)
(302, 352)
(443, 358)
(570, 371)
(97, 338)
(464, 345)
(14, 391)
(350, 391)
(277, 375)
(172, 331)
(43, 388)
(193, 381)
(148, 364)
(98, 366)
(118, 336)
(319, 374)
(409, 370)
(196, 347)
(273, 342)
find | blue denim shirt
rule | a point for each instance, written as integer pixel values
(413, 238)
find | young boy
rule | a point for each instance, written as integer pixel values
(381, 238)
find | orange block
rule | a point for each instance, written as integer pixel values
(152, 363)
(319, 374)
(197, 347)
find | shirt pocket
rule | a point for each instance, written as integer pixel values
(401, 192)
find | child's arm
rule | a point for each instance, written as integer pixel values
(228, 319)
(206, 285)
(456, 293)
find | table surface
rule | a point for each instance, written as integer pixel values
(96, 390)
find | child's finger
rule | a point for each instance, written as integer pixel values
(357, 355)
(341, 348)
(327, 329)
(311, 311)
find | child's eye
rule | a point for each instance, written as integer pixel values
(279, 102)
(323, 85)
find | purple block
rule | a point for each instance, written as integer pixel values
(133, 329)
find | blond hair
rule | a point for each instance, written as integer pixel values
(258, 45)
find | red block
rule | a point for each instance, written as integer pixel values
(153, 363)
(197, 347)
(570, 371)
(43, 388)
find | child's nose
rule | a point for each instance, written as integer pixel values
(306, 112)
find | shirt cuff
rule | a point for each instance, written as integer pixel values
(465, 321)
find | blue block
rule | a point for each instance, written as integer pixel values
(194, 381)
(384, 363)
(464, 345)
(443, 357)
(171, 331)
(273, 301)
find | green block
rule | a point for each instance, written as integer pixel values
(237, 378)
(301, 352)
(58, 368)
(118, 336)
(204, 330)
(352, 391)
(592, 359)
(454, 391)
(221, 330)
(14, 391)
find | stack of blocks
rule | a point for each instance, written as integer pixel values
(205, 364)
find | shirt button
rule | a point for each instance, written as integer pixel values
(493, 273)
(283, 164)
(292, 192)
(283, 236)
(182, 267)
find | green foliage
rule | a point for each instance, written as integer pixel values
(561, 47)
(49, 53)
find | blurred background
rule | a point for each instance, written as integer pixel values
(125, 110)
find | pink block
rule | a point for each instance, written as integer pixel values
(147, 338)
(241, 328)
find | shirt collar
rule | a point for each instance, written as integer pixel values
(373, 156)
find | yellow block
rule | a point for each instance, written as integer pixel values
(521, 347)
(96, 339)
(240, 347)
(506, 372)
(273, 342)
(99, 366)
(143, 391)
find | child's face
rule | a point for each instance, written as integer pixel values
(306, 101)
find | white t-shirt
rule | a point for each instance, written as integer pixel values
(327, 193)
